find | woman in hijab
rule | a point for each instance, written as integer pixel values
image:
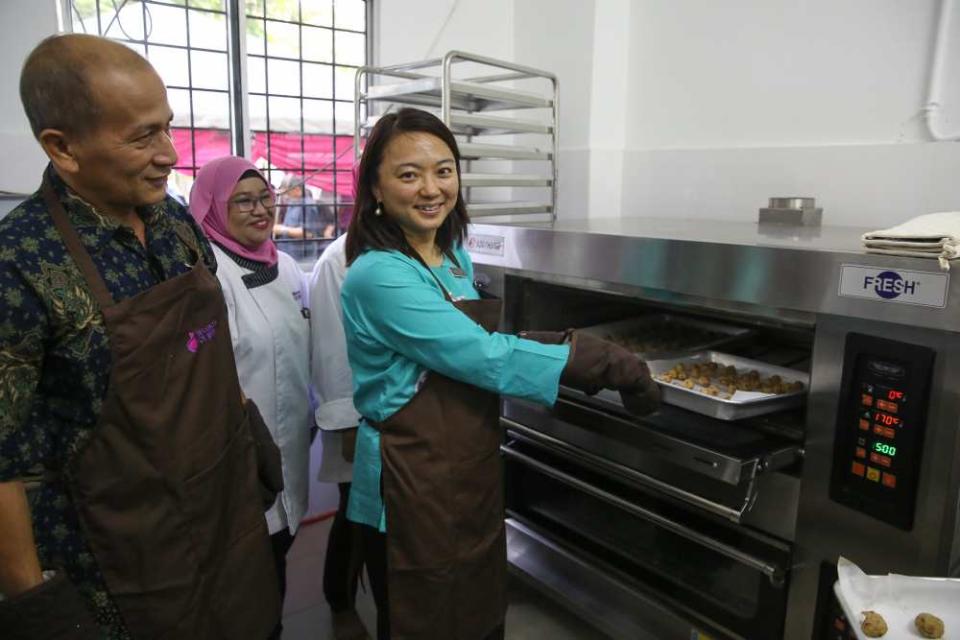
(235, 206)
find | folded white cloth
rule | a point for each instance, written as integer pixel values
(934, 235)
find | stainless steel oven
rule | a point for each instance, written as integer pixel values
(682, 524)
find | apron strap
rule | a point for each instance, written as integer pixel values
(74, 246)
(446, 294)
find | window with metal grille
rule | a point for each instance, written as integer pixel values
(271, 80)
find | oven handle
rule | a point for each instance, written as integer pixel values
(564, 449)
(774, 573)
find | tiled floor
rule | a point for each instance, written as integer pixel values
(307, 617)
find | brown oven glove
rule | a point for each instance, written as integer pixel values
(269, 469)
(596, 364)
(52, 610)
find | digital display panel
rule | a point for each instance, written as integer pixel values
(886, 419)
(885, 449)
(876, 457)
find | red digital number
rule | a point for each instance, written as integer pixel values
(885, 419)
(893, 394)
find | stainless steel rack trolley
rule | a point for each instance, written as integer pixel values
(522, 133)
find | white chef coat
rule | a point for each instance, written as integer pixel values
(330, 373)
(271, 344)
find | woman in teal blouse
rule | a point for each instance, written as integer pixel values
(427, 369)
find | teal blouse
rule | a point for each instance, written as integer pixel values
(399, 325)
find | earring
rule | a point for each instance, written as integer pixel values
(378, 211)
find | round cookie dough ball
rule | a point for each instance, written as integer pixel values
(873, 625)
(929, 625)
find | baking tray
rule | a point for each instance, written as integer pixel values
(743, 404)
(898, 599)
(676, 335)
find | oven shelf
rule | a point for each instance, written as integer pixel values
(504, 180)
(468, 124)
(487, 209)
(483, 150)
(479, 125)
(469, 96)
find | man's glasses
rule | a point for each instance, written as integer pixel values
(246, 204)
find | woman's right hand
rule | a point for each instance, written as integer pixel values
(596, 364)
(638, 390)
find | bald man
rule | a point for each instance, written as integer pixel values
(119, 399)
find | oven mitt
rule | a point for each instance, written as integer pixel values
(596, 364)
(269, 471)
(53, 610)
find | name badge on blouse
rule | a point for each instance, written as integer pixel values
(458, 272)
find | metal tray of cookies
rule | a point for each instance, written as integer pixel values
(661, 335)
(766, 388)
(898, 600)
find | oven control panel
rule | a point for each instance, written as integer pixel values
(877, 455)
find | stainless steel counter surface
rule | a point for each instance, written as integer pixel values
(828, 238)
(790, 274)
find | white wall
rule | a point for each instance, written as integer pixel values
(23, 23)
(558, 36)
(704, 109)
(732, 102)
(609, 90)
(410, 30)
(777, 72)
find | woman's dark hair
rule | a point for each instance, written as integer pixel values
(370, 231)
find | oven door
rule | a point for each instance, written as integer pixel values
(677, 564)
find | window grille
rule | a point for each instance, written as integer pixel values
(281, 95)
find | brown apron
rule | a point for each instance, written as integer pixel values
(443, 493)
(166, 486)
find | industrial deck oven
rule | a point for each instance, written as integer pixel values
(683, 525)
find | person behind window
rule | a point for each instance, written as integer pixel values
(263, 288)
(299, 216)
(427, 369)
